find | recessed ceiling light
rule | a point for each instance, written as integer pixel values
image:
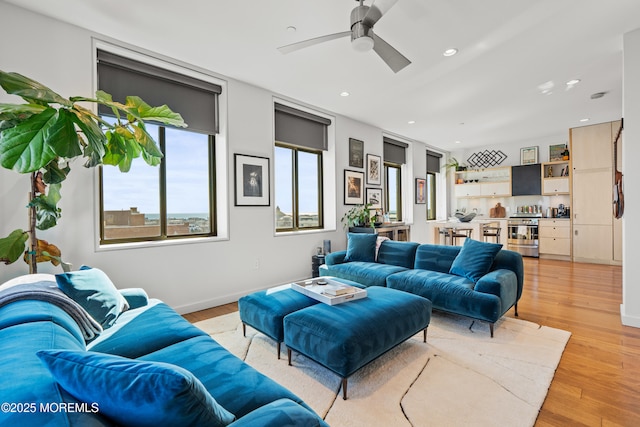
(411, 122)
(458, 142)
(598, 95)
(291, 29)
(584, 120)
(450, 52)
(573, 82)
(344, 94)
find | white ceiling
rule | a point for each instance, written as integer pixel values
(489, 93)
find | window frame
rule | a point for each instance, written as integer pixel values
(162, 189)
(295, 208)
(431, 196)
(399, 199)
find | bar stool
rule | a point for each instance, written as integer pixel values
(456, 233)
(491, 230)
(444, 232)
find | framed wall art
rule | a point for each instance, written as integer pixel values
(555, 152)
(374, 198)
(529, 155)
(356, 153)
(353, 187)
(421, 189)
(374, 169)
(251, 180)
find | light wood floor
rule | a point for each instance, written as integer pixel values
(598, 380)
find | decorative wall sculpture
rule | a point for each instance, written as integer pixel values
(486, 158)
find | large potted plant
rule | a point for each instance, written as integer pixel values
(42, 136)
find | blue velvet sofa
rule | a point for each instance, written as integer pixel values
(148, 366)
(479, 280)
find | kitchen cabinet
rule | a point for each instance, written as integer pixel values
(594, 237)
(490, 182)
(554, 238)
(495, 189)
(525, 180)
(555, 178)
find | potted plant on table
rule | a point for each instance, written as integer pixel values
(42, 136)
(358, 216)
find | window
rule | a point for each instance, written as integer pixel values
(393, 191)
(178, 198)
(298, 178)
(394, 159)
(301, 140)
(433, 169)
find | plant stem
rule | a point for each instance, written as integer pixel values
(33, 240)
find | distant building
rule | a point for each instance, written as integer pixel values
(131, 224)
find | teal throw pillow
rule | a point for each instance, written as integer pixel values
(94, 291)
(361, 247)
(133, 392)
(474, 259)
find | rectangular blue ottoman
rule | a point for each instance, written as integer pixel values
(265, 310)
(345, 337)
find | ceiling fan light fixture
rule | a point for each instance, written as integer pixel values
(362, 44)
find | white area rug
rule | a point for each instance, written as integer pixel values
(460, 377)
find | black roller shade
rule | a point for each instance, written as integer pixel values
(300, 128)
(433, 162)
(394, 151)
(195, 100)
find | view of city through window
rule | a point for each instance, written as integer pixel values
(131, 201)
(307, 182)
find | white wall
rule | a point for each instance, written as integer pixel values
(186, 276)
(630, 308)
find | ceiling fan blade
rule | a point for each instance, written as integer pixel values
(394, 59)
(306, 43)
(377, 10)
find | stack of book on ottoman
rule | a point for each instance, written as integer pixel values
(329, 290)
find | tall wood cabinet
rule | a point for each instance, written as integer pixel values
(594, 236)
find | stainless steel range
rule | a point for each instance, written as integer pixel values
(522, 233)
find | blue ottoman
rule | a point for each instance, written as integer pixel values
(265, 310)
(345, 337)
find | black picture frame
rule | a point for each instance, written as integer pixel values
(251, 180)
(374, 197)
(356, 153)
(353, 187)
(421, 191)
(374, 169)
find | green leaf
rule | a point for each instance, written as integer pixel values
(115, 149)
(47, 211)
(23, 148)
(87, 123)
(62, 136)
(163, 114)
(147, 143)
(19, 111)
(30, 90)
(12, 246)
(55, 174)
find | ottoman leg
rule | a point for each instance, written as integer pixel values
(344, 389)
(491, 329)
(278, 349)
(424, 336)
(289, 355)
(244, 330)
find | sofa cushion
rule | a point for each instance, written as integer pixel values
(233, 384)
(130, 337)
(402, 254)
(365, 273)
(475, 259)
(94, 291)
(135, 393)
(282, 412)
(361, 247)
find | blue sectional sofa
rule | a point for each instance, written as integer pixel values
(147, 367)
(479, 280)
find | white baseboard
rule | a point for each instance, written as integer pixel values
(633, 321)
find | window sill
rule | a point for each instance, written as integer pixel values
(158, 243)
(300, 232)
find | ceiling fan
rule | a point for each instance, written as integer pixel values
(363, 39)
